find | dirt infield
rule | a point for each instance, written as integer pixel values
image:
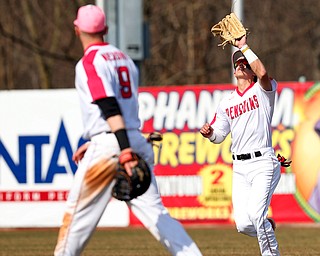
(212, 240)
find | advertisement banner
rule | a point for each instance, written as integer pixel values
(40, 129)
(195, 176)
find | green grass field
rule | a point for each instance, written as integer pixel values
(215, 240)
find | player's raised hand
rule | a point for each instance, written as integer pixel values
(206, 130)
(241, 42)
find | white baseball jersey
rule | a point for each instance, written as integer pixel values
(247, 116)
(105, 71)
(251, 113)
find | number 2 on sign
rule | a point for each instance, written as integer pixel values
(217, 175)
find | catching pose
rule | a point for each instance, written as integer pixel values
(246, 113)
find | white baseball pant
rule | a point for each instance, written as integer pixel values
(82, 216)
(254, 182)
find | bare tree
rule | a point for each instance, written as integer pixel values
(38, 48)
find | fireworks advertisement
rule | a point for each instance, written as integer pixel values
(40, 130)
(195, 176)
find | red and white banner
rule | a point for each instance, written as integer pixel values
(40, 129)
(195, 176)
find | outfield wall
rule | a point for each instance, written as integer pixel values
(39, 130)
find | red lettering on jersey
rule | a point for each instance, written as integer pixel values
(109, 56)
(252, 105)
(240, 109)
(231, 112)
(247, 105)
(255, 98)
(227, 111)
(236, 113)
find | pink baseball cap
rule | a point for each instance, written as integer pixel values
(90, 19)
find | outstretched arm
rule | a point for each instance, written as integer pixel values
(255, 63)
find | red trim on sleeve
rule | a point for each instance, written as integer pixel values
(95, 83)
(214, 119)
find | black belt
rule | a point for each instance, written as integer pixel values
(246, 156)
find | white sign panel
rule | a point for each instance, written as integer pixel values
(39, 131)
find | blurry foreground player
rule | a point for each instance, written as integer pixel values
(107, 84)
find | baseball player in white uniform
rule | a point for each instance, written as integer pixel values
(107, 83)
(246, 113)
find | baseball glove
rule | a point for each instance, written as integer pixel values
(129, 187)
(229, 29)
(154, 137)
(283, 161)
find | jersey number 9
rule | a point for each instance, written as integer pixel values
(124, 80)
